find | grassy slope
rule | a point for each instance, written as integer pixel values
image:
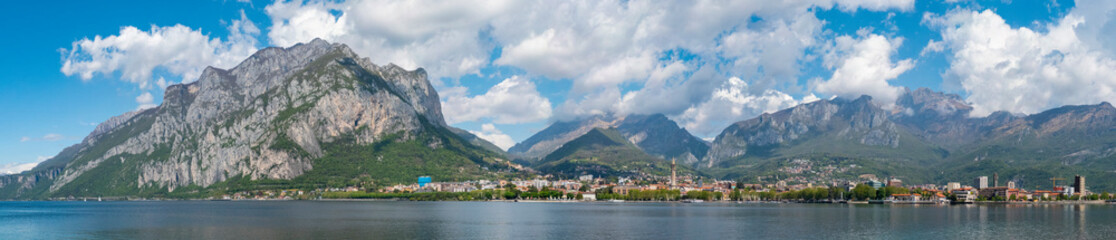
(1033, 160)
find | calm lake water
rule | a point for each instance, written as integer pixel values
(503, 220)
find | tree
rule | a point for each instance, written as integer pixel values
(579, 197)
(863, 192)
(1106, 196)
(583, 188)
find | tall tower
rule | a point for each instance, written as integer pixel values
(1079, 184)
(673, 183)
(995, 179)
(980, 182)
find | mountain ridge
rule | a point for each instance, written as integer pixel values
(276, 115)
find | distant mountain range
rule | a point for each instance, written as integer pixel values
(317, 115)
(654, 134)
(926, 137)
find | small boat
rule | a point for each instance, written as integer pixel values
(615, 200)
(693, 201)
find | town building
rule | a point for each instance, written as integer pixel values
(589, 196)
(1079, 185)
(894, 182)
(585, 178)
(980, 182)
(952, 186)
(904, 197)
(875, 184)
(965, 194)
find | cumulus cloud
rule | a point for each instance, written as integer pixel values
(179, 50)
(732, 102)
(1025, 70)
(444, 37)
(599, 45)
(495, 136)
(672, 97)
(514, 100)
(145, 101)
(863, 67)
(773, 51)
(49, 137)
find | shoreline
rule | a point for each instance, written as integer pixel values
(1091, 202)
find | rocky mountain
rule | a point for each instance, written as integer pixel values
(853, 127)
(603, 152)
(654, 134)
(923, 136)
(313, 114)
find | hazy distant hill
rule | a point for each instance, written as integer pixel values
(602, 152)
(654, 134)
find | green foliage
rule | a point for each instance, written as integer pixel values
(886, 192)
(604, 152)
(639, 195)
(863, 192)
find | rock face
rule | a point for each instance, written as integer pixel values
(859, 121)
(654, 134)
(266, 118)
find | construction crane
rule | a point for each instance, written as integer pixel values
(1054, 182)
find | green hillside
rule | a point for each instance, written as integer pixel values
(604, 152)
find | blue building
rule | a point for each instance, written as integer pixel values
(423, 180)
(875, 184)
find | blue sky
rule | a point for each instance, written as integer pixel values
(505, 70)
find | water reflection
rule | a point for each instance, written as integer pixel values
(500, 220)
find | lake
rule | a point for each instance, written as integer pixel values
(507, 220)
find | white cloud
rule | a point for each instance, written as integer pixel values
(599, 102)
(14, 168)
(442, 37)
(605, 44)
(732, 102)
(162, 83)
(495, 136)
(672, 96)
(49, 137)
(862, 67)
(1025, 70)
(932, 47)
(599, 45)
(772, 52)
(180, 50)
(145, 101)
(514, 100)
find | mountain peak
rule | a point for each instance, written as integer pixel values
(273, 116)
